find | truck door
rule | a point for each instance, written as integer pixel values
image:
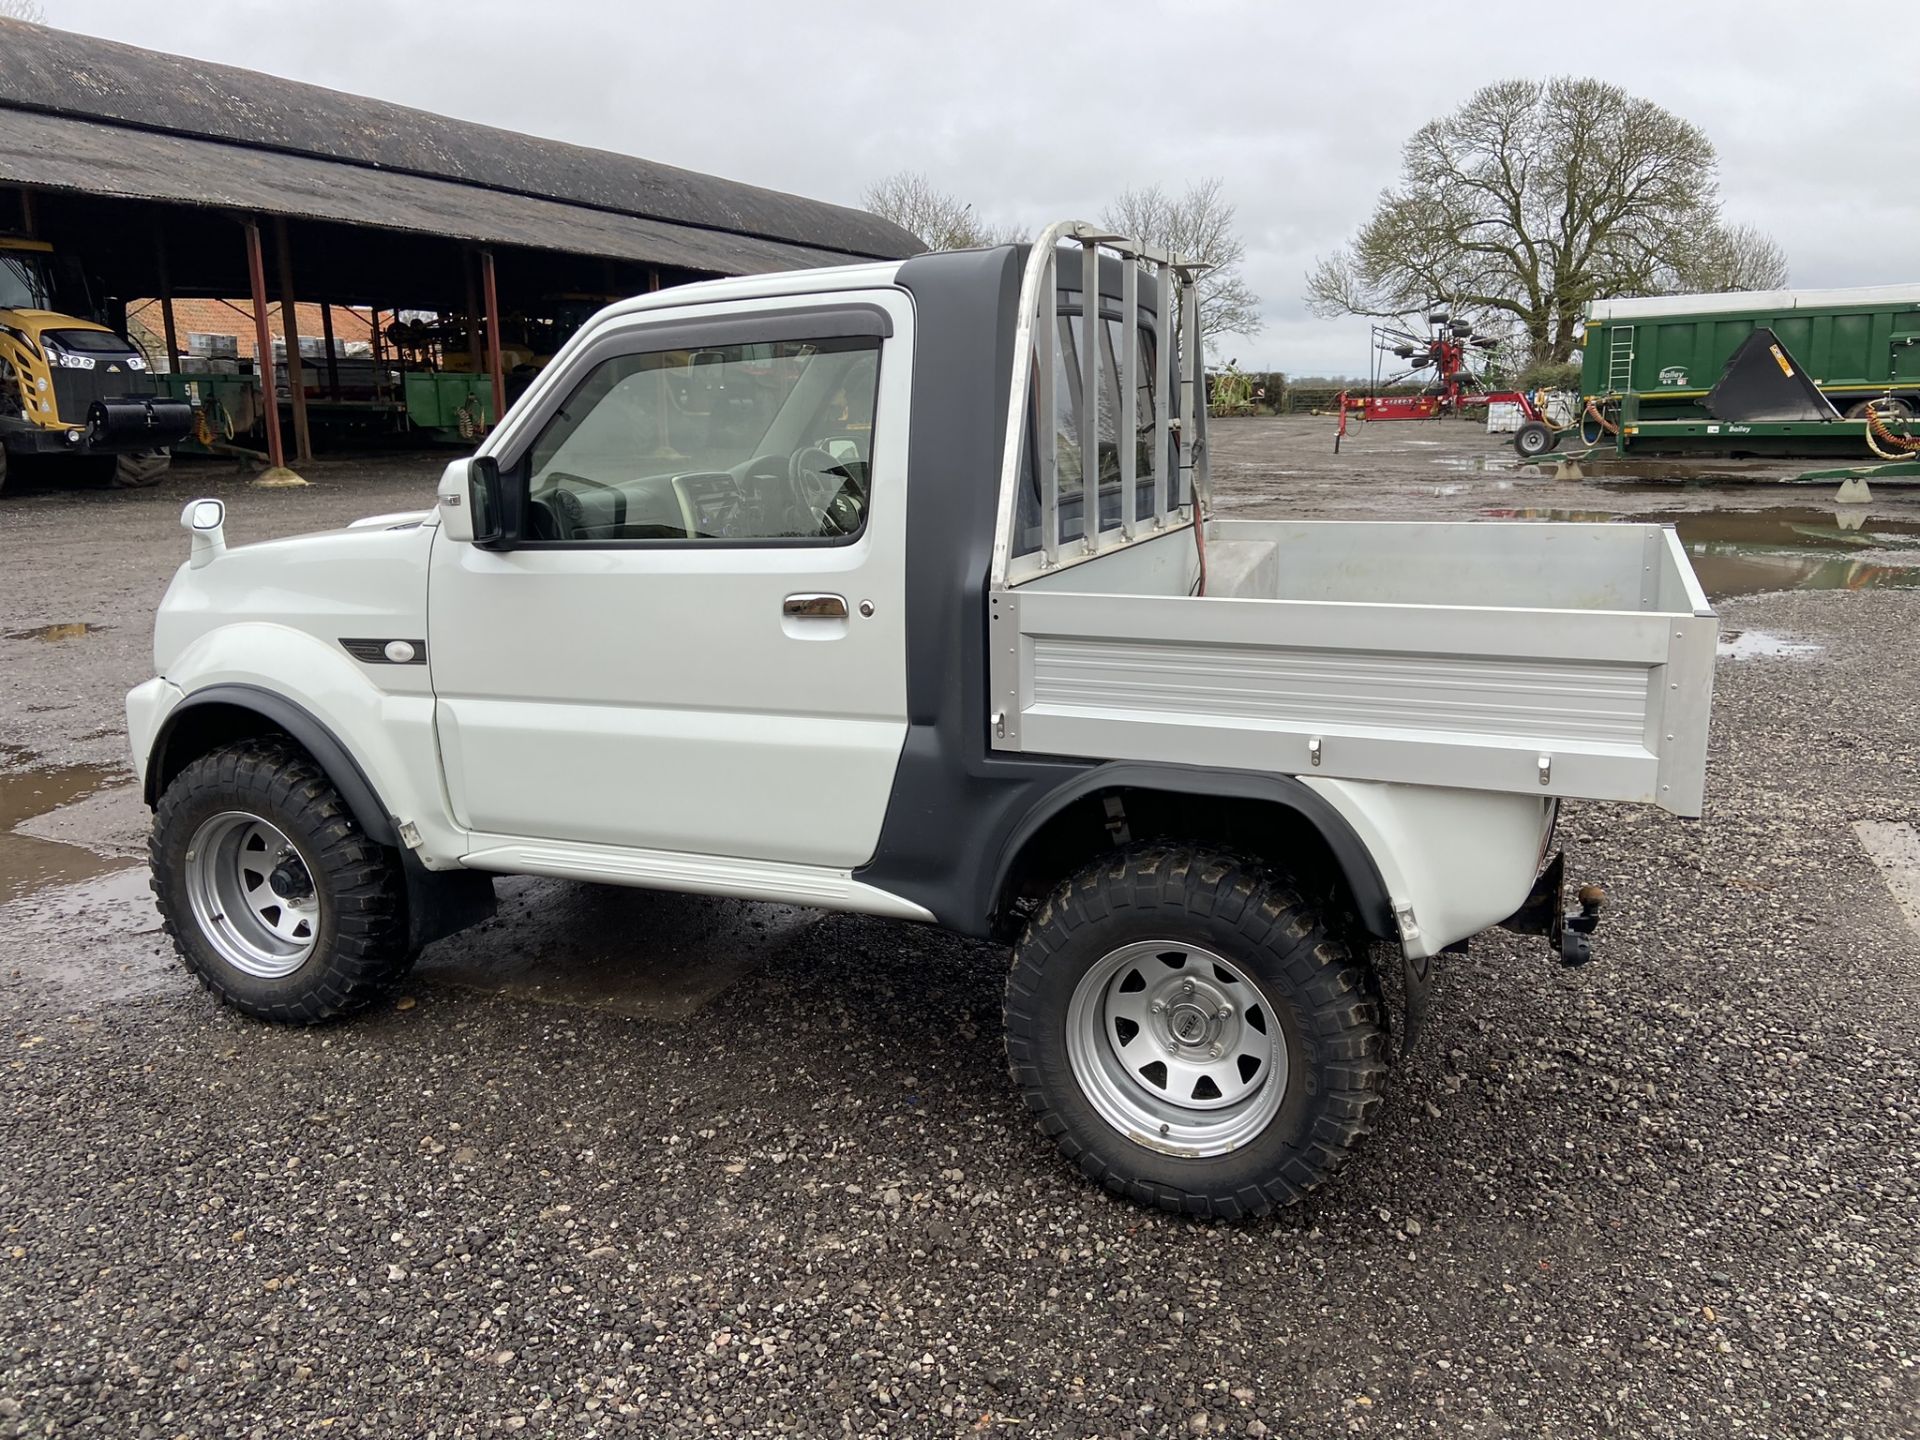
(1906, 359)
(693, 640)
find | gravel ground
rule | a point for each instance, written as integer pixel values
(1672, 1194)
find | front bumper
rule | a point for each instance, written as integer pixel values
(113, 427)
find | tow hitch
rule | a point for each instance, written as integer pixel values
(1569, 932)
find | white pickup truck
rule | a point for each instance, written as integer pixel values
(831, 588)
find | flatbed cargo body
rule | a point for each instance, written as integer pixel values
(1540, 659)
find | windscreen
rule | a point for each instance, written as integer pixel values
(89, 342)
(23, 283)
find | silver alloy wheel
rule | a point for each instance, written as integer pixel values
(1176, 1048)
(252, 895)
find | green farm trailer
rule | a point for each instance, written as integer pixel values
(443, 407)
(1856, 345)
(1650, 364)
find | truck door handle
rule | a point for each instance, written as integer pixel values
(815, 607)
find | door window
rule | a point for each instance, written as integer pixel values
(768, 441)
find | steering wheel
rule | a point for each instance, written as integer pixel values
(569, 514)
(831, 495)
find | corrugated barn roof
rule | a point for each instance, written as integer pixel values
(94, 116)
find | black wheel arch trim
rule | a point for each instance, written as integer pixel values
(1355, 863)
(311, 734)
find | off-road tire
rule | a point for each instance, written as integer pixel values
(1310, 978)
(138, 470)
(3, 467)
(360, 950)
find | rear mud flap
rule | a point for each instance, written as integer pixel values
(1417, 978)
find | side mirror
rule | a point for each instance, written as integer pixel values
(470, 504)
(205, 521)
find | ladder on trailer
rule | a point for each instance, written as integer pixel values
(1178, 362)
(1620, 360)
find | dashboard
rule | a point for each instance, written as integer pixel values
(770, 497)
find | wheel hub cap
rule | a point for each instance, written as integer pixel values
(1190, 1024)
(290, 880)
(1177, 1048)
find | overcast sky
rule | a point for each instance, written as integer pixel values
(1300, 109)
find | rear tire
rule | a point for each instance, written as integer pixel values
(1192, 1035)
(137, 471)
(1535, 437)
(272, 894)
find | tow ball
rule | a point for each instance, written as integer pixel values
(1569, 932)
(1577, 926)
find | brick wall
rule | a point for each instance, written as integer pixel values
(221, 317)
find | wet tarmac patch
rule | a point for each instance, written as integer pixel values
(1479, 464)
(648, 954)
(29, 863)
(1747, 552)
(71, 630)
(1895, 851)
(1759, 645)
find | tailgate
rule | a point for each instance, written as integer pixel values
(1552, 698)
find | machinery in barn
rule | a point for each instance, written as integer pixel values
(73, 391)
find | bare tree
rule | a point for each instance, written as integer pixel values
(1198, 225)
(941, 221)
(1734, 257)
(30, 11)
(1536, 197)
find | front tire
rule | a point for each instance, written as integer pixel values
(272, 894)
(1192, 1035)
(137, 471)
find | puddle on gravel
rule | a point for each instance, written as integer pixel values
(71, 630)
(121, 957)
(1744, 552)
(28, 863)
(1759, 645)
(1478, 464)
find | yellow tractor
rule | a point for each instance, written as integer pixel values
(72, 389)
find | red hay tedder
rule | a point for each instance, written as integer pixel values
(1450, 362)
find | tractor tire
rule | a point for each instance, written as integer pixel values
(1534, 438)
(3, 467)
(1192, 1035)
(138, 470)
(271, 892)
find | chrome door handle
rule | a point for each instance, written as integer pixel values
(815, 607)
